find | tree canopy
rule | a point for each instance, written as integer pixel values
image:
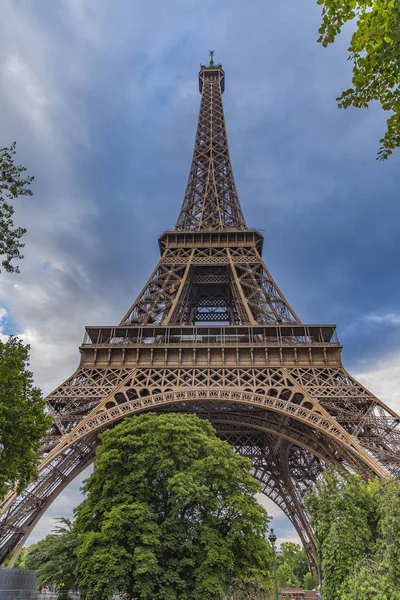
(23, 422)
(293, 569)
(170, 514)
(12, 185)
(375, 52)
(357, 527)
(54, 557)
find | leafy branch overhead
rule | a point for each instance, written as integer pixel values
(375, 52)
(13, 184)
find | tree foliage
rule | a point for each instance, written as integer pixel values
(357, 527)
(20, 562)
(295, 558)
(293, 570)
(310, 581)
(375, 52)
(13, 184)
(286, 577)
(23, 422)
(170, 514)
(54, 558)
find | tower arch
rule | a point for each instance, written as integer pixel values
(212, 333)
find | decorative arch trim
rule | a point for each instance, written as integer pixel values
(313, 417)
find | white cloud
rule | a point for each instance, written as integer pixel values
(51, 307)
(28, 94)
(3, 315)
(385, 319)
(382, 377)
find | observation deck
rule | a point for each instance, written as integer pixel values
(284, 344)
(228, 238)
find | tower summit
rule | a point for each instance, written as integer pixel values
(211, 200)
(212, 334)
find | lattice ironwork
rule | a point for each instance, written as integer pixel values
(212, 334)
(236, 274)
(211, 200)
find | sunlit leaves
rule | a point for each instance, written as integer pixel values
(375, 52)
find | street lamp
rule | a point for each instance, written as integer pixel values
(272, 540)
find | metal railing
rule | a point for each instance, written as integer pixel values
(271, 335)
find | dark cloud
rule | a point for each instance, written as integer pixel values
(103, 100)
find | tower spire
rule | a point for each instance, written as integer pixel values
(211, 200)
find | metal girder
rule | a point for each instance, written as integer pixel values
(236, 275)
(212, 334)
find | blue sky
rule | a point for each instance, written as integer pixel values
(102, 99)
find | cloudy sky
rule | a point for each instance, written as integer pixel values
(102, 99)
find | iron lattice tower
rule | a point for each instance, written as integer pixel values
(211, 333)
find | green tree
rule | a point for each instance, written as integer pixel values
(23, 422)
(20, 562)
(12, 185)
(341, 515)
(295, 556)
(377, 575)
(310, 581)
(170, 514)
(387, 498)
(54, 558)
(357, 527)
(286, 577)
(375, 52)
(292, 565)
(368, 582)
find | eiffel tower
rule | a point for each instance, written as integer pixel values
(212, 334)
